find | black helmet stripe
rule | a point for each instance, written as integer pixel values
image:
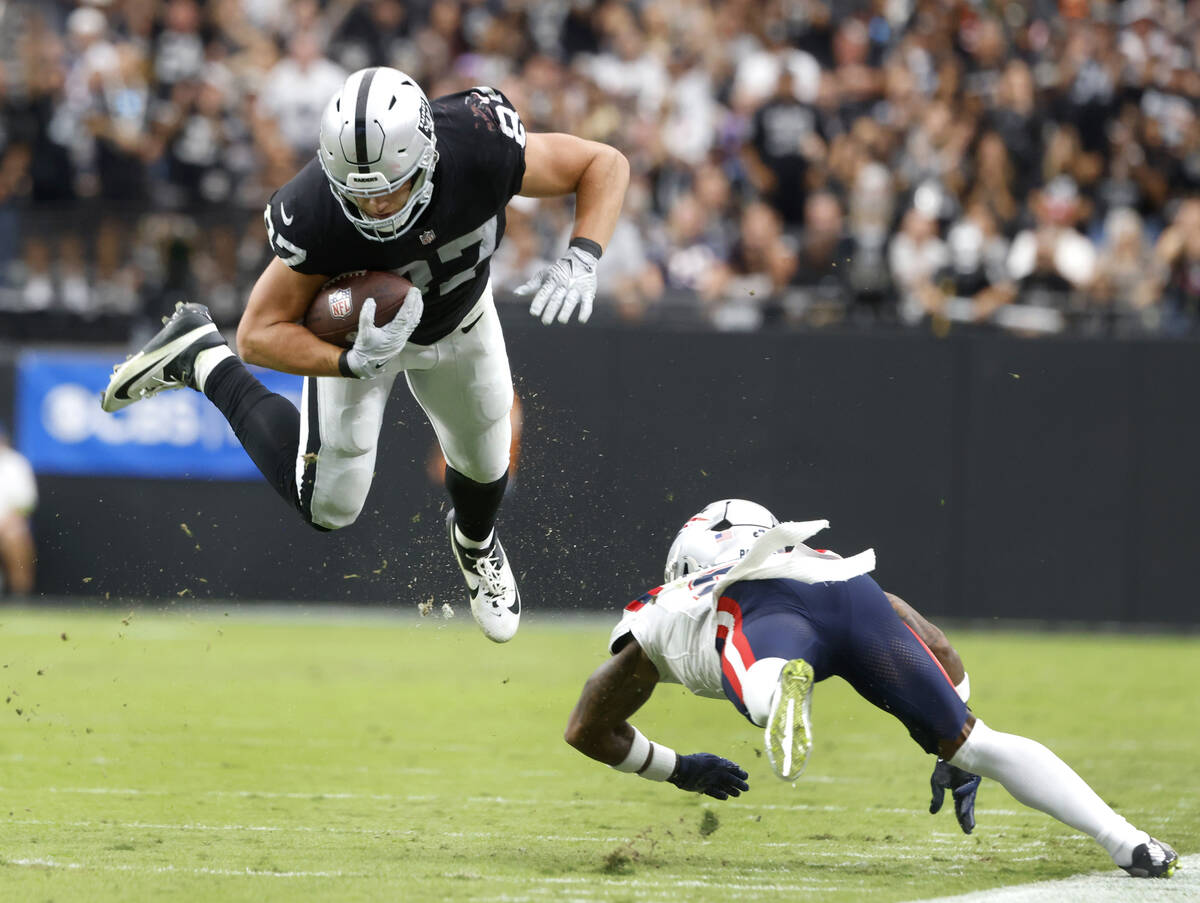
(360, 120)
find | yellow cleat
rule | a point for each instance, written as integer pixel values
(788, 734)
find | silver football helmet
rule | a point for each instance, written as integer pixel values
(724, 531)
(376, 135)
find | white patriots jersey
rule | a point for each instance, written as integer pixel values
(676, 626)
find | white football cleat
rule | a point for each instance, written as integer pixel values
(167, 361)
(495, 600)
(788, 734)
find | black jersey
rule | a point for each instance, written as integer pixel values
(446, 252)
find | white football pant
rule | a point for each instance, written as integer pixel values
(462, 382)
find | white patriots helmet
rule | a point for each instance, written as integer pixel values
(723, 532)
(377, 134)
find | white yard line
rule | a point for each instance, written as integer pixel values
(618, 884)
(493, 800)
(1110, 887)
(303, 829)
(811, 850)
(172, 869)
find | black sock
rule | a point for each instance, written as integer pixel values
(475, 504)
(267, 424)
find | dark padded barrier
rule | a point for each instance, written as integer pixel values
(995, 477)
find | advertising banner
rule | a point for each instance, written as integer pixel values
(179, 434)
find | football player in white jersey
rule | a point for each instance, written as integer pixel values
(751, 614)
(402, 184)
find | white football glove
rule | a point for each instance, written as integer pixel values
(569, 281)
(375, 346)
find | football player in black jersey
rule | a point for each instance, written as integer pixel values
(419, 189)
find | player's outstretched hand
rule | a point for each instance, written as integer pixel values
(375, 346)
(708, 773)
(569, 281)
(962, 784)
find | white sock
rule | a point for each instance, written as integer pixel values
(1038, 778)
(467, 543)
(206, 362)
(758, 686)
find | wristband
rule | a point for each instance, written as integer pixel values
(344, 365)
(646, 759)
(661, 764)
(586, 244)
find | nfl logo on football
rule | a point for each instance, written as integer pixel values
(340, 304)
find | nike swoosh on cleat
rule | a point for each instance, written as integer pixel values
(476, 593)
(471, 325)
(515, 608)
(121, 390)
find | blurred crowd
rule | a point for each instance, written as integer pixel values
(1029, 166)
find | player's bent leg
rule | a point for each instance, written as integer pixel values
(771, 657)
(338, 435)
(890, 666)
(189, 352)
(265, 423)
(1041, 780)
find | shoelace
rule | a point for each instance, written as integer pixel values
(488, 569)
(162, 385)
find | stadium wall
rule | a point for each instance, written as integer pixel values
(995, 477)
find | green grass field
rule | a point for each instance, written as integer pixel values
(256, 755)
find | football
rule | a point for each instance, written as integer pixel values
(333, 314)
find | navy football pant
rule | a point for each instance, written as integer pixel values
(845, 629)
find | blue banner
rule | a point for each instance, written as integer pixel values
(178, 434)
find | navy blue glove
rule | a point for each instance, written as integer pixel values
(962, 784)
(706, 773)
